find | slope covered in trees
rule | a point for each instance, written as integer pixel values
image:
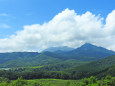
(85, 53)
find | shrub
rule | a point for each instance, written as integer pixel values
(108, 77)
(113, 82)
(2, 79)
(92, 80)
(19, 82)
(85, 81)
(3, 84)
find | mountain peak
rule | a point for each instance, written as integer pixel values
(88, 45)
(92, 51)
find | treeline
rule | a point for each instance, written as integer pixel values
(38, 73)
(34, 74)
(27, 74)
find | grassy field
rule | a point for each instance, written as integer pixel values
(54, 82)
(92, 81)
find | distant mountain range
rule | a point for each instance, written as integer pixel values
(91, 51)
(55, 55)
(86, 52)
(58, 49)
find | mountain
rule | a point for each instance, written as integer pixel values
(4, 57)
(22, 59)
(95, 67)
(58, 49)
(89, 52)
(92, 50)
(85, 53)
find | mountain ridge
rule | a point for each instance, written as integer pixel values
(91, 51)
(55, 49)
(86, 52)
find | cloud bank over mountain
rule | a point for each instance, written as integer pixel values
(65, 29)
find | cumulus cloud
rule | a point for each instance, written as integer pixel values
(65, 29)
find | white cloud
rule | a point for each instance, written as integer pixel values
(65, 29)
(110, 22)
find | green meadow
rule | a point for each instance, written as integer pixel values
(91, 81)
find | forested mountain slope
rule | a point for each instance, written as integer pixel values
(94, 68)
(85, 53)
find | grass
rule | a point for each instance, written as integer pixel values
(55, 82)
(35, 67)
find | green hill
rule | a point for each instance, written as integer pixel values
(28, 59)
(93, 68)
(25, 59)
(81, 55)
(107, 71)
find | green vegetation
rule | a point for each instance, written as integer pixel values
(99, 68)
(85, 53)
(59, 68)
(92, 81)
(24, 60)
(29, 59)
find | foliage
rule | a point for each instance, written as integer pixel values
(2, 79)
(19, 82)
(91, 81)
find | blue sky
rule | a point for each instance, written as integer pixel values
(24, 12)
(34, 25)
